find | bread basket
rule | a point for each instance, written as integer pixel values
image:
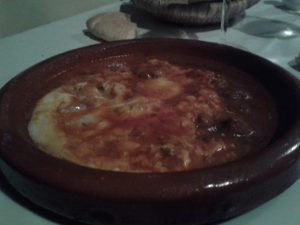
(192, 12)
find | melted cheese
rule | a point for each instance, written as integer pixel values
(43, 125)
(162, 121)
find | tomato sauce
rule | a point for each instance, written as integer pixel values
(161, 117)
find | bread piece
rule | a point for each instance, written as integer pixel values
(112, 26)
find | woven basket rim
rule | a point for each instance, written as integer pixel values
(193, 14)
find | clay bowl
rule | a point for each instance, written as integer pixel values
(192, 197)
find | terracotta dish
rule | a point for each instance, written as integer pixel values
(197, 196)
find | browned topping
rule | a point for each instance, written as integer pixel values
(160, 117)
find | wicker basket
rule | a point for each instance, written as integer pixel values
(196, 13)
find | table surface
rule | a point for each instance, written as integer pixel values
(266, 30)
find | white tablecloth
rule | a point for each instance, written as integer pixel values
(265, 30)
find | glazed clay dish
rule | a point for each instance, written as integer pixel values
(157, 131)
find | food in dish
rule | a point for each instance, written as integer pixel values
(155, 116)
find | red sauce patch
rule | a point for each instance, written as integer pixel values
(161, 117)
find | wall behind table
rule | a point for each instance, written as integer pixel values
(20, 15)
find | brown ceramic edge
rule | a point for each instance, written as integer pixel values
(286, 152)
